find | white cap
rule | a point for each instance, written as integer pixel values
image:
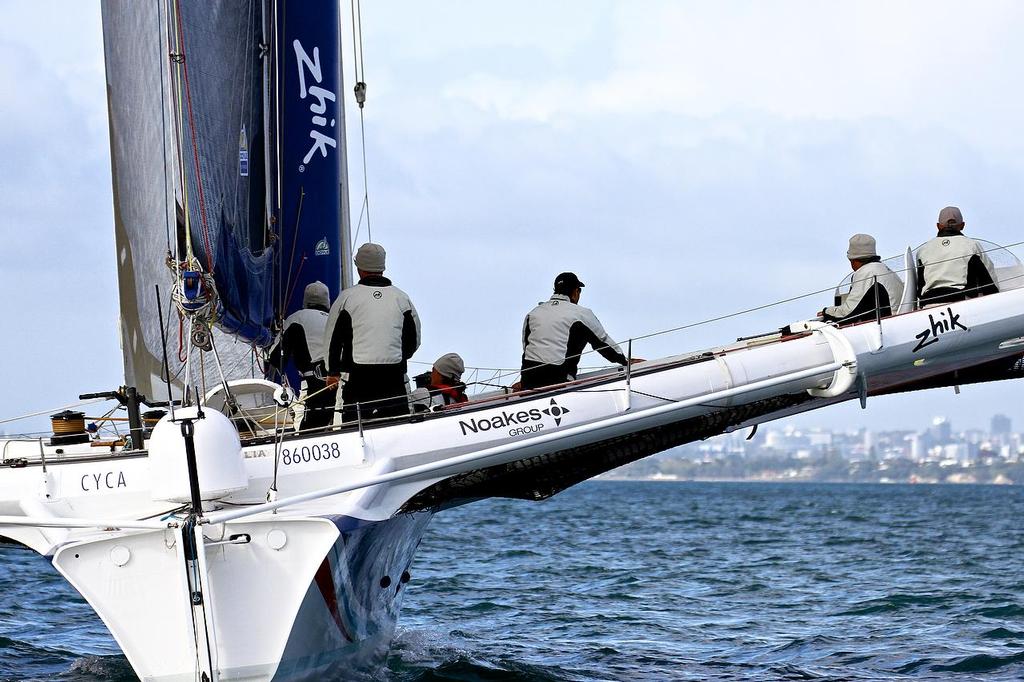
(370, 257)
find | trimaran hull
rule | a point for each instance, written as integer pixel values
(308, 586)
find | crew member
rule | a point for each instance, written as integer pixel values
(441, 386)
(952, 267)
(875, 291)
(555, 334)
(301, 343)
(372, 330)
(446, 387)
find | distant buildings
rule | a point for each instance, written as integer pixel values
(938, 453)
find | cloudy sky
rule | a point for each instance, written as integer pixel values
(686, 159)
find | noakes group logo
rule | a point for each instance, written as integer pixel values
(556, 411)
(518, 423)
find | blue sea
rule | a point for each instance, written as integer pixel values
(660, 581)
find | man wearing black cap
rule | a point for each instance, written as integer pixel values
(952, 267)
(555, 334)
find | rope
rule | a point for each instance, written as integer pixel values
(195, 144)
(359, 70)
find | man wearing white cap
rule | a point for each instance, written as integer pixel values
(952, 267)
(441, 386)
(301, 343)
(372, 330)
(875, 291)
(446, 387)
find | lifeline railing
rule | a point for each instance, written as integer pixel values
(503, 374)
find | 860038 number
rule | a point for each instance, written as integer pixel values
(310, 453)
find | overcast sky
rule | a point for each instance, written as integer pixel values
(686, 159)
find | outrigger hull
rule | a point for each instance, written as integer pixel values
(352, 503)
(277, 598)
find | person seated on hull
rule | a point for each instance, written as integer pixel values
(555, 334)
(876, 291)
(372, 331)
(442, 385)
(301, 343)
(952, 267)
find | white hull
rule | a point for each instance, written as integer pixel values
(264, 614)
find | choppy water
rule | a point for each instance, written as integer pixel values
(661, 581)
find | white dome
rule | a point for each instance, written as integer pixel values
(219, 461)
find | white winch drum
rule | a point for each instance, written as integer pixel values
(219, 462)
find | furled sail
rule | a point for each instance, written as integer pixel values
(210, 104)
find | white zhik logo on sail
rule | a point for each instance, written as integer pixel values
(319, 107)
(322, 248)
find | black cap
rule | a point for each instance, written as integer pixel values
(567, 281)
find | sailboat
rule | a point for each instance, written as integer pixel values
(215, 541)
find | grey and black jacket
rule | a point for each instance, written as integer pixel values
(301, 341)
(953, 267)
(875, 290)
(371, 324)
(555, 334)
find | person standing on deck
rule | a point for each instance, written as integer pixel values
(952, 267)
(875, 291)
(372, 331)
(301, 343)
(555, 334)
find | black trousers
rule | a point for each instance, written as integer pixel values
(538, 375)
(320, 407)
(380, 390)
(945, 295)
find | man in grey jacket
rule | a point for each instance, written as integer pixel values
(952, 267)
(875, 291)
(372, 330)
(555, 334)
(301, 343)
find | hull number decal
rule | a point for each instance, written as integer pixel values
(310, 453)
(938, 327)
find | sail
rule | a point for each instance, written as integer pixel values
(134, 44)
(311, 160)
(218, 69)
(228, 156)
(313, 173)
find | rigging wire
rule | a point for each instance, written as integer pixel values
(53, 410)
(359, 68)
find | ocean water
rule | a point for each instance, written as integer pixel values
(660, 581)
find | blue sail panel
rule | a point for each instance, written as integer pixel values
(221, 72)
(244, 282)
